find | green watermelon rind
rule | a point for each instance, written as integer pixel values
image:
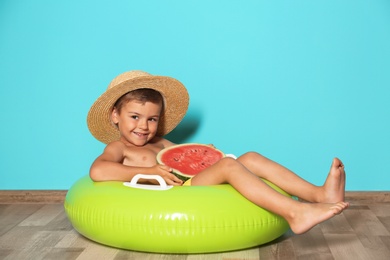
(182, 176)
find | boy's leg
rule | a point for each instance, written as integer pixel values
(300, 216)
(332, 191)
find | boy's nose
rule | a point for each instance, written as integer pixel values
(143, 124)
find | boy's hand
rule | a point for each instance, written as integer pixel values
(166, 173)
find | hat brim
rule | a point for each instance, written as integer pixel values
(176, 101)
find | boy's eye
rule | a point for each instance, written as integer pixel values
(134, 117)
(153, 119)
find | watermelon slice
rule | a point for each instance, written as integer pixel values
(187, 160)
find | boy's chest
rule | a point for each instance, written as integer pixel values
(141, 156)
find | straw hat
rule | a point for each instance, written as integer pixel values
(174, 93)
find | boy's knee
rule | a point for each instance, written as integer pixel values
(228, 163)
(250, 156)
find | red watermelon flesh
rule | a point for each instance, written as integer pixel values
(189, 159)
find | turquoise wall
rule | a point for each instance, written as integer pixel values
(298, 81)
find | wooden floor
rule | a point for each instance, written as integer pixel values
(42, 231)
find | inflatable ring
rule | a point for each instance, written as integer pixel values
(191, 219)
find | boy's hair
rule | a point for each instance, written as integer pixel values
(141, 95)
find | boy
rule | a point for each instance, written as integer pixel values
(138, 108)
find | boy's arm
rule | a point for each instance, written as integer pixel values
(109, 167)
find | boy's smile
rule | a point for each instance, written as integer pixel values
(137, 122)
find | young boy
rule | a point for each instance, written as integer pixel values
(138, 109)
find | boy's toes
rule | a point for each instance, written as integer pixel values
(339, 207)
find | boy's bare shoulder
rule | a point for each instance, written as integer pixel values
(115, 149)
(162, 141)
(116, 145)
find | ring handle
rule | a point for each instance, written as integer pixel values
(162, 184)
(231, 155)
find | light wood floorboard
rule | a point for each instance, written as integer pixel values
(42, 231)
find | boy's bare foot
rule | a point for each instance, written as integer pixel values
(311, 214)
(334, 186)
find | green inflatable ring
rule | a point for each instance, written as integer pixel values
(192, 219)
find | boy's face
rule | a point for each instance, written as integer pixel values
(137, 122)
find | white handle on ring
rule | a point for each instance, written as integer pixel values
(231, 155)
(162, 184)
